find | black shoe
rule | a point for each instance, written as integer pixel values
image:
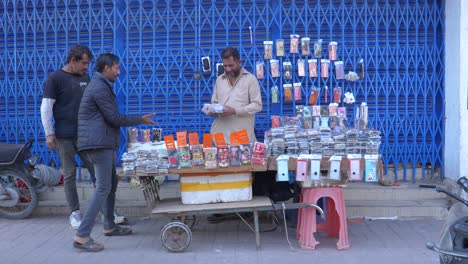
(119, 231)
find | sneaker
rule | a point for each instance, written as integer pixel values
(75, 219)
(118, 219)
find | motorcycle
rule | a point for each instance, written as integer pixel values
(18, 188)
(453, 244)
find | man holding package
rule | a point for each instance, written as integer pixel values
(236, 98)
(238, 91)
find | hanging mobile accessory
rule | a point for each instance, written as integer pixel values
(326, 94)
(219, 69)
(206, 64)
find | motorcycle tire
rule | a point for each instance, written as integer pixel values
(28, 199)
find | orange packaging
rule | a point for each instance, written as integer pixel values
(313, 67)
(337, 95)
(287, 91)
(169, 140)
(207, 140)
(234, 139)
(332, 50)
(219, 139)
(193, 139)
(243, 136)
(313, 97)
(182, 139)
(324, 68)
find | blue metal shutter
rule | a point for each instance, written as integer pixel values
(160, 44)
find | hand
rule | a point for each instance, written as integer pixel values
(146, 119)
(227, 111)
(52, 142)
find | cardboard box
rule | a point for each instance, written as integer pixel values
(215, 187)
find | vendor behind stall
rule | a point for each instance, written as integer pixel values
(238, 91)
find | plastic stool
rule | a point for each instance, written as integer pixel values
(335, 224)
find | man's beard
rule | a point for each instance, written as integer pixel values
(234, 74)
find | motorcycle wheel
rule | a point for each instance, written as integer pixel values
(27, 195)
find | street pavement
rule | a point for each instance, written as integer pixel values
(48, 239)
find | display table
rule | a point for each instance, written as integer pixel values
(150, 186)
(232, 169)
(324, 163)
(270, 164)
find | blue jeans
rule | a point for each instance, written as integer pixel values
(67, 151)
(104, 193)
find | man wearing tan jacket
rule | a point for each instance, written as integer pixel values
(239, 93)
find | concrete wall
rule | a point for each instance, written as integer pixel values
(456, 87)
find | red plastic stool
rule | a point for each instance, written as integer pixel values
(335, 224)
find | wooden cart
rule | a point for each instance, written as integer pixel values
(176, 235)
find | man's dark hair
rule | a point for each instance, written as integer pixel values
(230, 52)
(104, 59)
(77, 52)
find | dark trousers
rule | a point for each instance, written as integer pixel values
(104, 193)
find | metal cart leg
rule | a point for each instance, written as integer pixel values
(257, 231)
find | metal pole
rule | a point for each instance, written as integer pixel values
(257, 232)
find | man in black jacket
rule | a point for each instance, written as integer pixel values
(99, 123)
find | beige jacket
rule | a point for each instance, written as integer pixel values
(244, 97)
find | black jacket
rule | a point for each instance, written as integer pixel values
(99, 120)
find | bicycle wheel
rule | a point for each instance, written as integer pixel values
(176, 236)
(28, 199)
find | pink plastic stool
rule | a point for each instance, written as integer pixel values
(335, 224)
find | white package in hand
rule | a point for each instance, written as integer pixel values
(212, 108)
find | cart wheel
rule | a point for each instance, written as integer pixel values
(445, 259)
(189, 220)
(176, 236)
